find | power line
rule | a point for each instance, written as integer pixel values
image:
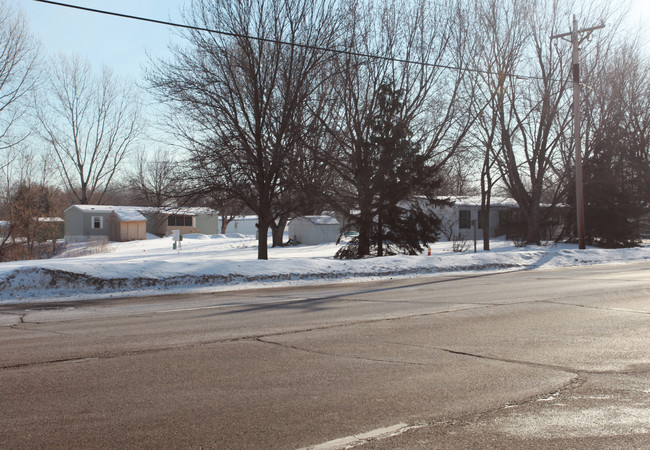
(277, 41)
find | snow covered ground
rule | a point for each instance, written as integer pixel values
(211, 263)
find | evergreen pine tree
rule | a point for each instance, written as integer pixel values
(403, 182)
(615, 188)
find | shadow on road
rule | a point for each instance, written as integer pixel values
(320, 303)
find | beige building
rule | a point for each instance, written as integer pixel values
(126, 226)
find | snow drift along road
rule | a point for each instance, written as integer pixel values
(229, 262)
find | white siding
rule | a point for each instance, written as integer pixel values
(312, 230)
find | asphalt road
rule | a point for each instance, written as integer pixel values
(529, 359)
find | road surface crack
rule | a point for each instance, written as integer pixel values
(21, 319)
(338, 355)
(602, 308)
(510, 361)
(400, 361)
(493, 358)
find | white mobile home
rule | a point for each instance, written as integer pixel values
(464, 217)
(314, 229)
(241, 225)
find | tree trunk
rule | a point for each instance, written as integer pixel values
(485, 223)
(278, 231)
(486, 186)
(365, 229)
(532, 225)
(380, 235)
(84, 199)
(265, 219)
(364, 242)
(262, 240)
(224, 221)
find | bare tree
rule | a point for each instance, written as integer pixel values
(7, 226)
(229, 208)
(435, 101)
(26, 203)
(535, 116)
(618, 92)
(533, 73)
(91, 124)
(459, 173)
(155, 180)
(240, 100)
(18, 64)
(500, 37)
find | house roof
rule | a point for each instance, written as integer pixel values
(96, 208)
(50, 219)
(189, 211)
(475, 200)
(129, 216)
(322, 220)
(242, 218)
(184, 211)
(504, 202)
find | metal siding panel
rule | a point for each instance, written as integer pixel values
(207, 224)
(74, 222)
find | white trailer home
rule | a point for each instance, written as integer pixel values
(312, 230)
(464, 217)
(241, 225)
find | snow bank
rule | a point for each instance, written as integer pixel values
(228, 262)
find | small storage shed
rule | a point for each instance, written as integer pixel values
(314, 229)
(127, 225)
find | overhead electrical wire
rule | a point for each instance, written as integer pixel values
(280, 42)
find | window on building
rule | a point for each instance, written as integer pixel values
(464, 219)
(179, 221)
(480, 220)
(96, 222)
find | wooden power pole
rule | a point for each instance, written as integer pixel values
(575, 40)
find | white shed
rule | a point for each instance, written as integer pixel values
(314, 229)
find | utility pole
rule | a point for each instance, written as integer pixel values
(577, 117)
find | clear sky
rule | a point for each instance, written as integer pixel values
(120, 44)
(640, 16)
